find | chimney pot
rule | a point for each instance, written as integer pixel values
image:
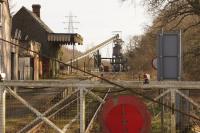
(36, 9)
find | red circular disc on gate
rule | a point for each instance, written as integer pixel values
(125, 114)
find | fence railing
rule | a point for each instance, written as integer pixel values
(49, 105)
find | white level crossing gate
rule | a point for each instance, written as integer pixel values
(87, 87)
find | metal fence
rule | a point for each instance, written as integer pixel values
(73, 106)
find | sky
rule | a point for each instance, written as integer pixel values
(97, 18)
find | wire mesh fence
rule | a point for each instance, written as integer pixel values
(65, 115)
(18, 116)
(162, 116)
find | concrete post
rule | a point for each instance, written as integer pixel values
(162, 114)
(82, 111)
(173, 113)
(2, 110)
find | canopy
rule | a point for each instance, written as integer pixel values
(65, 38)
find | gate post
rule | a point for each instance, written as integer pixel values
(162, 114)
(82, 111)
(173, 113)
(2, 109)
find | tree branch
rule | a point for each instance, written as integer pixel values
(190, 26)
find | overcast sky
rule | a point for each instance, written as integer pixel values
(98, 18)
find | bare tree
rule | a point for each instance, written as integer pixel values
(175, 11)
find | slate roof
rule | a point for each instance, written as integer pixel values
(38, 20)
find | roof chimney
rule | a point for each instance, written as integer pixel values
(36, 9)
